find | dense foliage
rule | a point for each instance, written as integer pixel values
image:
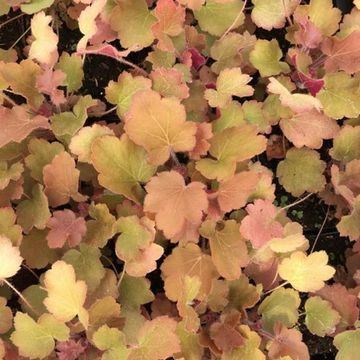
(148, 222)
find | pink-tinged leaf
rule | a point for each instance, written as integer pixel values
(260, 225)
(44, 47)
(104, 33)
(48, 83)
(288, 342)
(342, 54)
(65, 227)
(296, 102)
(71, 349)
(87, 22)
(16, 124)
(170, 20)
(225, 334)
(61, 179)
(309, 128)
(203, 134)
(177, 206)
(169, 82)
(308, 35)
(343, 302)
(145, 261)
(234, 192)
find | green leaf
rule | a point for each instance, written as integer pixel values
(302, 170)
(339, 95)
(112, 341)
(216, 17)
(349, 225)
(35, 211)
(100, 230)
(121, 92)
(348, 344)
(87, 265)
(266, 56)
(122, 166)
(41, 153)
(68, 123)
(346, 144)
(281, 305)
(72, 66)
(132, 20)
(37, 339)
(8, 227)
(321, 319)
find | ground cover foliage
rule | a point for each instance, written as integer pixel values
(162, 167)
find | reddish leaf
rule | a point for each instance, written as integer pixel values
(260, 225)
(65, 227)
(343, 54)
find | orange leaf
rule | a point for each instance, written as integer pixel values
(159, 125)
(176, 205)
(61, 180)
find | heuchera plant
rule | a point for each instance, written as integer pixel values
(146, 223)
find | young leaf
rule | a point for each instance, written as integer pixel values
(129, 160)
(36, 340)
(230, 82)
(306, 273)
(302, 170)
(66, 296)
(61, 179)
(266, 56)
(112, 341)
(260, 225)
(9, 173)
(65, 227)
(45, 38)
(177, 206)
(165, 130)
(10, 259)
(228, 248)
(157, 340)
(321, 319)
